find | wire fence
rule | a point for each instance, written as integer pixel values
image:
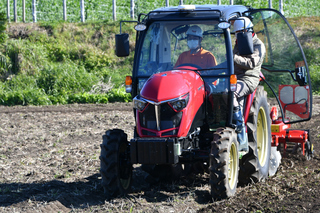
(76, 10)
(95, 10)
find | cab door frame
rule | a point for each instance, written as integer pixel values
(297, 71)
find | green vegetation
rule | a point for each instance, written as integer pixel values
(3, 38)
(3, 26)
(308, 31)
(291, 8)
(62, 63)
(48, 10)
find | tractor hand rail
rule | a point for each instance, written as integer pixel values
(302, 99)
(276, 96)
(290, 71)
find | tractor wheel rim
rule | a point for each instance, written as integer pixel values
(262, 136)
(232, 166)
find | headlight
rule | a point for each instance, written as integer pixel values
(180, 103)
(139, 104)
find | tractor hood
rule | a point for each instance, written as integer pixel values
(169, 85)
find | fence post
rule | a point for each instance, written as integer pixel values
(34, 11)
(15, 10)
(181, 2)
(219, 2)
(82, 10)
(114, 8)
(132, 9)
(270, 4)
(281, 6)
(8, 10)
(65, 10)
(231, 2)
(24, 11)
(167, 3)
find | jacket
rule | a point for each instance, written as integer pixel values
(247, 67)
(202, 58)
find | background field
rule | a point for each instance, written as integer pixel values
(52, 10)
(56, 62)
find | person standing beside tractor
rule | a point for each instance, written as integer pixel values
(196, 55)
(248, 55)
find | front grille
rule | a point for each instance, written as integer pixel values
(148, 117)
(168, 119)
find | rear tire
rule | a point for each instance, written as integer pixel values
(255, 164)
(224, 163)
(115, 164)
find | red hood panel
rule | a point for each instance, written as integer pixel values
(168, 85)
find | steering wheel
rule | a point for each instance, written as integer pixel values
(190, 65)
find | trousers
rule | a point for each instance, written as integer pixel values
(240, 93)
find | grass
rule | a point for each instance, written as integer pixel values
(3, 38)
(57, 63)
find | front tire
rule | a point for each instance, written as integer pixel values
(224, 163)
(115, 164)
(255, 164)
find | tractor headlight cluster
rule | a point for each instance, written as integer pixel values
(181, 103)
(139, 104)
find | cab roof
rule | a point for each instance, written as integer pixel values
(223, 12)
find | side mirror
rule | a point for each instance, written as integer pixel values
(245, 43)
(122, 45)
(301, 76)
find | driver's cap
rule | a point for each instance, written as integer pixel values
(195, 30)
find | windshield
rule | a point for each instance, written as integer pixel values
(165, 42)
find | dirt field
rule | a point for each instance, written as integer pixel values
(49, 162)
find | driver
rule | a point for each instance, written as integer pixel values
(247, 68)
(196, 55)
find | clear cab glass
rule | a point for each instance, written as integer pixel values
(285, 67)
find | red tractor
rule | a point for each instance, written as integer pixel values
(183, 114)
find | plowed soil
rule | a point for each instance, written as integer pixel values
(49, 162)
